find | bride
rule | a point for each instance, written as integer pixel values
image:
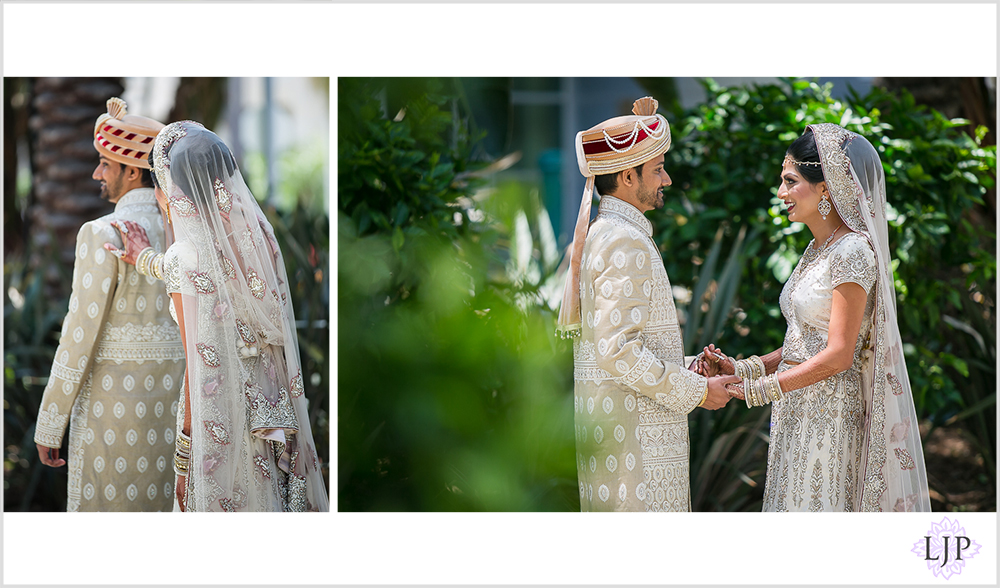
(244, 442)
(844, 431)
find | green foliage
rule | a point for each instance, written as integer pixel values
(725, 164)
(452, 391)
(31, 333)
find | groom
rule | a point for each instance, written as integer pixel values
(117, 372)
(632, 393)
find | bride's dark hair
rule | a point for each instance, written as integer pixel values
(804, 149)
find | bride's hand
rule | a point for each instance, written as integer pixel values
(720, 361)
(180, 491)
(703, 367)
(736, 390)
(133, 236)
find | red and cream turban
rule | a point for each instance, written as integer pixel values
(125, 138)
(612, 146)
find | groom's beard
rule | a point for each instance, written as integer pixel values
(652, 198)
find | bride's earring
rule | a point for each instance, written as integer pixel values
(169, 223)
(824, 207)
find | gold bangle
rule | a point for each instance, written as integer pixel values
(758, 366)
(183, 443)
(704, 396)
(181, 465)
(776, 388)
(156, 266)
(141, 261)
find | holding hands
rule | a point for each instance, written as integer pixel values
(713, 363)
(719, 381)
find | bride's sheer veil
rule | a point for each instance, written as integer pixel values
(249, 417)
(894, 477)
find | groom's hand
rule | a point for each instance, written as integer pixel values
(717, 394)
(50, 456)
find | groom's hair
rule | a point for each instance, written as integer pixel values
(804, 149)
(606, 184)
(146, 175)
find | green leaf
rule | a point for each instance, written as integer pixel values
(398, 239)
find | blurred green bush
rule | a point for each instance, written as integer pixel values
(452, 390)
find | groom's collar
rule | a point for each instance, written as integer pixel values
(625, 210)
(136, 196)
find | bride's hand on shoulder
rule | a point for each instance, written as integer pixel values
(134, 238)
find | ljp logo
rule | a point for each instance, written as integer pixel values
(946, 548)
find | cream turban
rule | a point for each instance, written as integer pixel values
(125, 138)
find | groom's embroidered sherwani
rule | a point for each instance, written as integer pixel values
(116, 375)
(632, 389)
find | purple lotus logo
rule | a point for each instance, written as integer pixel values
(946, 548)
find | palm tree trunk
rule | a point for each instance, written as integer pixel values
(61, 118)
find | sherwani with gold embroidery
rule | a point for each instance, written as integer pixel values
(116, 374)
(632, 389)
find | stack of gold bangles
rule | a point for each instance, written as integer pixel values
(149, 263)
(762, 390)
(758, 388)
(750, 369)
(182, 455)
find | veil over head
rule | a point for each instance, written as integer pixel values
(894, 477)
(252, 448)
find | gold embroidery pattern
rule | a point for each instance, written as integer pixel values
(626, 211)
(897, 388)
(856, 265)
(202, 283)
(905, 461)
(875, 484)
(256, 284)
(817, 488)
(208, 354)
(246, 333)
(167, 137)
(183, 205)
(218, 432)
(222, 197)
(831, 142)
(267, 415)
(262, 466)
(227, 267)
(296, 494)
(172, 273)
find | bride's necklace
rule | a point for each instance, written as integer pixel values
(812, 253)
